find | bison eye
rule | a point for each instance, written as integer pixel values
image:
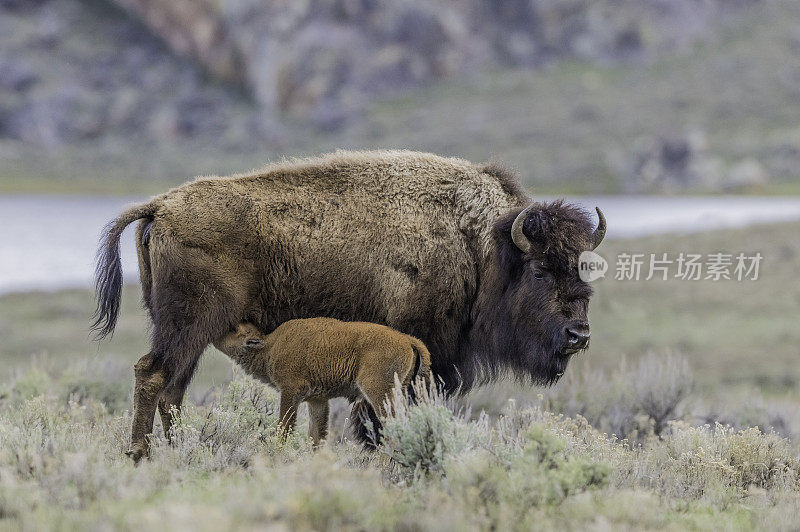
(538, 274)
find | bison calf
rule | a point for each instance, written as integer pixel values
(317, 359)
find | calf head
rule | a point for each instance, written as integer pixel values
(245, 337)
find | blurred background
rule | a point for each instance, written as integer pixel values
(605, 96)
(680, 118)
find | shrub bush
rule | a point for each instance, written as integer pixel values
(83, 382)
(61, 466)
(689, 460)
(631, 402)
(243, 421)
(420, 436)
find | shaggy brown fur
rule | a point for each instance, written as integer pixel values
(414, 241)
(317, 359)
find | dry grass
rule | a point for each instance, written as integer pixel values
(62, 467)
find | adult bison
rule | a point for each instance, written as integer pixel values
(448, 251)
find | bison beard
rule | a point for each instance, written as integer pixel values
(424, 244)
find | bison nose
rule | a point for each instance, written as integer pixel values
(577, 335)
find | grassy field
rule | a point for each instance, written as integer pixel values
(563, 126)
(627, 439)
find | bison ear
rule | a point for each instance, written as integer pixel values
(509, 253)
(528, 228)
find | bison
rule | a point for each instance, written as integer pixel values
(317, 359)
(448, 251)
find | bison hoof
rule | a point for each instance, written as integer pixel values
(136, 454)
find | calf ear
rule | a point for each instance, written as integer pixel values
(254, 342)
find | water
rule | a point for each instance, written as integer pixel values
(634, 216)
(49, 242)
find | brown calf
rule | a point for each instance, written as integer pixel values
(318, 359)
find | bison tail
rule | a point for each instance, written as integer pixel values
(108, 273)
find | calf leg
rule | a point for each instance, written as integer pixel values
(290, 400)
(150, 381)
(318, 420)
(378, 378)
(376, 393)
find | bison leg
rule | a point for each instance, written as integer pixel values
(176, 354)
(154, 373)
(172, 397)
(163, 375)
(318, 420)
(366, 425)
(150, 381)
(192, 303)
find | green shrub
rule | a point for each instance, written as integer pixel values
(691, 462)
(749, 408)
(564, 474)
(420, 436)
(631, 402)
(228, 433)
(61, 466)
(82, 382)
(104, 382)
(510, 490)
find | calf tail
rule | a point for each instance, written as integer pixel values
(366, 425)
(108, 272)
(422, 365)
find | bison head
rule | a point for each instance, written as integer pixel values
(534, 306)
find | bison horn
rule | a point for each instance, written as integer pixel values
(517, 235)
(600, 232)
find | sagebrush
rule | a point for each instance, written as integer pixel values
(440, 467)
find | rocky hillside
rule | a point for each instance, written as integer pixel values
(240, 71)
